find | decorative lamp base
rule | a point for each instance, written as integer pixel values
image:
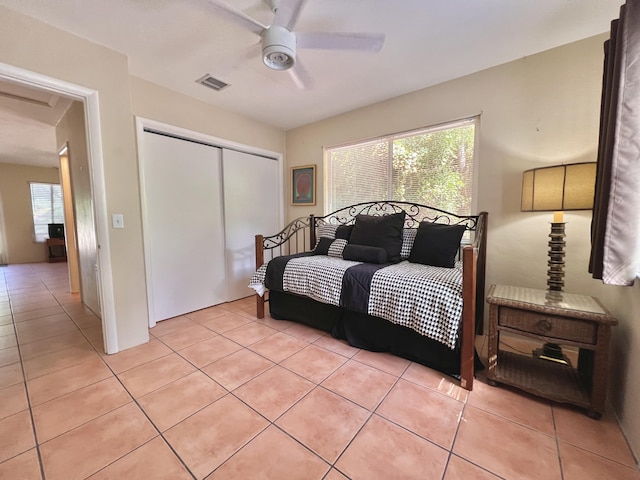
(555, 273)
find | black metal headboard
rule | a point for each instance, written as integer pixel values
(301, 233)
(415, 213)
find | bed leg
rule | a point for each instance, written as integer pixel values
(259, 244)
(467, 348)
(466, 376)
(259, 306)
(467, 366)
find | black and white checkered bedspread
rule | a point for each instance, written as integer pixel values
(424, 298)
(318, 277)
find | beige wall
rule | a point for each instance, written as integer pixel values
(540, 110)
(624, 303)
(38, 47)
(163, 105)
(16, 206)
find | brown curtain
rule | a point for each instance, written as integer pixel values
(615, 229)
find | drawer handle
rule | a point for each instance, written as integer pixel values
(544, 325)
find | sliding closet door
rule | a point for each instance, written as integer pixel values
(183, 225)
(251, 206)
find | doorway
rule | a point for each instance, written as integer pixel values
(89, 100)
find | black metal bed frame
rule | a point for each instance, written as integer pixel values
(300, 235)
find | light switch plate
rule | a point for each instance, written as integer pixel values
(117, 220)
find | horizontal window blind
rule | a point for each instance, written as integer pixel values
(432, 166)
(47, 207)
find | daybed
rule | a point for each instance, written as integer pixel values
(386, 276)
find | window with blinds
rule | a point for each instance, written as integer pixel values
(432, 166)
(47, 207)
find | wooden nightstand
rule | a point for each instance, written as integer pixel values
(55, 250)
(567, 320)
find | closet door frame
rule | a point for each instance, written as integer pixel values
(146, 123)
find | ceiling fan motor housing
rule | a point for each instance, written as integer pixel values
(278, 48)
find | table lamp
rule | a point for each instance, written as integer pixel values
(557, 189)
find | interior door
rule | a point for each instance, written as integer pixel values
(183, 225)
(251, 206)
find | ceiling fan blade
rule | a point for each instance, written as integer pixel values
(287, 13)
(300, 76)
(237, 17)
(368, 42)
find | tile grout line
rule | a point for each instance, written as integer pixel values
(134, 400)
(269, 424)
(557, 440)
(26, 388)
(635, 468)
(453, 444)
(372, 412)
(316, 385)
(455, 435)
(119, 381)
(231, 392)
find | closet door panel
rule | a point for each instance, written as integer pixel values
(183, 222)
(251, 206)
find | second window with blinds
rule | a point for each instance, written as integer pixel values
(47, 207)
(433, 166)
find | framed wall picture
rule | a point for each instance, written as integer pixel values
(303, 185)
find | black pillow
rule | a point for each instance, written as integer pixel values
(344, 232)
(322, 248)
(436, 244)
(364, 253)
(383, 231)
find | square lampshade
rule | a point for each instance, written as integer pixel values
(559, 188)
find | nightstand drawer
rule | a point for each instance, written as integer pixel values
(549, 325)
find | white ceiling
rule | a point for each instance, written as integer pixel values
(27, 125)
(173, 43)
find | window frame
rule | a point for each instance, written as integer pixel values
(42, 237)
(390, 138)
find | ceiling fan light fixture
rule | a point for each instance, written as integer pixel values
(278, 48)
(277, 58)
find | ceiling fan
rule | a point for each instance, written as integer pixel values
(279, 42)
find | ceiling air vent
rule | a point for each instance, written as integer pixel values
(209, 81)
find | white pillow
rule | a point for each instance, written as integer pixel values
(336, 247)
(327, 230)
(408, 237)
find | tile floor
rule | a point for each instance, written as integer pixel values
(218, 394)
